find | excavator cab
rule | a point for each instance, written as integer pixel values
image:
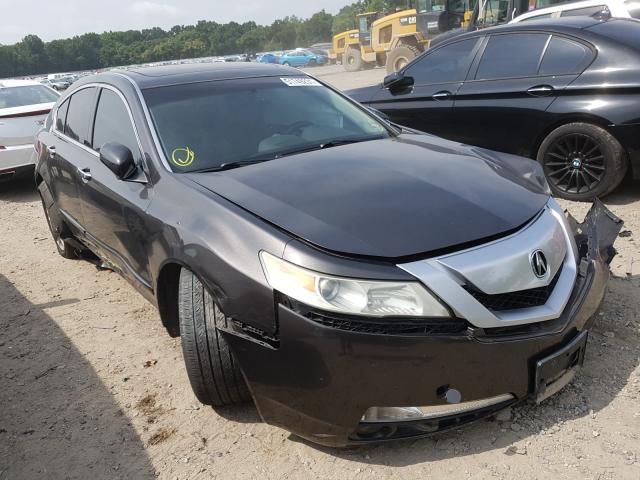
(489, 13)
(365, 21)
(438, 16)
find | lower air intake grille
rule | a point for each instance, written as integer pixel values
(390, 326)
(534, 297)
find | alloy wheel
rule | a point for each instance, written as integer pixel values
(575, 163)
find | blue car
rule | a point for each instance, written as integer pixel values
(267, 58)
(302, 58)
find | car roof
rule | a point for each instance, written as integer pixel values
(562, 24)
(159, 76)
(17, 83)
(568, 25)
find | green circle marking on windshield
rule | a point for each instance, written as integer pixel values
(183, 157)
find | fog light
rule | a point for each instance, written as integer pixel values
(406, 414)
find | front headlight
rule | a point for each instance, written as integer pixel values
(351, 296)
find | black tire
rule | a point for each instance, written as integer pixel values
(313, 63)
(214, 374)
(400, 56)
(582, 161)
(352, 60)
(64, 247)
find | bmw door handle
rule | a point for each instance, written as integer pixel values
(85, 174)
(540, 90)
(444, 95)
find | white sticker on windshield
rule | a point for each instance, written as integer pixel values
(300, 82)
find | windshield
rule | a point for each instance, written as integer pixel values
(493, 12)
(206, 125)
(28, 95)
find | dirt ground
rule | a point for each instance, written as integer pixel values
(91, 386)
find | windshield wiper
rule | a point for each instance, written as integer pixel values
(315, 146)
(229, 166)
(292, 151)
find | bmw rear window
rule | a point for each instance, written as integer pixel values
(625, 31)
(11, 97)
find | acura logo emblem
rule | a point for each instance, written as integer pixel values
(539, 263)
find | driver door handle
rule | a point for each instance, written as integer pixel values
(444, 95)
(540, 90)
(85, 174)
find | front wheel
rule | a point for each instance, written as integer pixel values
(582, 161)
(214, 373)
(286, 64)
(352, 60)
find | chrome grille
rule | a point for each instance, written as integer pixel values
(533, 297)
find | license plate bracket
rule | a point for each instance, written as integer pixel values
(558, 369)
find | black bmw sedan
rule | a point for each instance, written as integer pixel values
(564, 92)
(357, 281)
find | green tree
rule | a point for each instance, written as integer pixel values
(316, 29)
(32, 56)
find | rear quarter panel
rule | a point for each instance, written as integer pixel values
(606, 94)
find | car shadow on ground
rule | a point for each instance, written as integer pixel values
(240, 414)
(57, 419)
(628, 192)
(611, 359)
(18, 191)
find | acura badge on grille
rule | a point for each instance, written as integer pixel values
(539, 263)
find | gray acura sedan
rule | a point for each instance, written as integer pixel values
(357, 280)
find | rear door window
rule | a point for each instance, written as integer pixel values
(444, 65)
(564, 57)
(61, 116)
(113, 124)
(79, 115)
(512, 56)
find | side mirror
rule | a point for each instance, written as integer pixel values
(397, 81)
(118, 159)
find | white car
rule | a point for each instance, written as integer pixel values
(24, 106)
(614, 8)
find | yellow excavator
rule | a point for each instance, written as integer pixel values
(395, 39)
(340, 43)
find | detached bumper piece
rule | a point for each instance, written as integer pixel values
(596, 235)
(340, 381)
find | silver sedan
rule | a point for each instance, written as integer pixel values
(24, 106)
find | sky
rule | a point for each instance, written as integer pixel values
(52, 19)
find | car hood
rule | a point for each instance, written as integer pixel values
(391, 198)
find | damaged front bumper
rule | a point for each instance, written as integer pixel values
(321, 379)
